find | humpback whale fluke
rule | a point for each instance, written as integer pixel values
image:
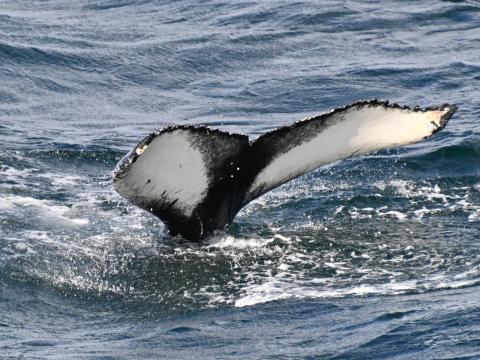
(196, 179)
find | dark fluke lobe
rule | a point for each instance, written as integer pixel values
(197, 179)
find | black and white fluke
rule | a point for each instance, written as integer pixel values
(196, 179)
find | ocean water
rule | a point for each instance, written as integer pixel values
(375, 257)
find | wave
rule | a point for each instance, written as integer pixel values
(466, 151)
(460, 160)
(113, 5)
(32, 55)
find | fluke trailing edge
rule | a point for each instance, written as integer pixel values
(196, 179)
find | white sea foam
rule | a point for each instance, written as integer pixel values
(397, 214)
(232, 242)
(475, 216)
(32, 177)
(278, 289)
(12, 173)
(45, 207)
(420, 195)
(38, 235)
(226, 241)
(57, 179)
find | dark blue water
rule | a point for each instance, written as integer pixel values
(377, 257)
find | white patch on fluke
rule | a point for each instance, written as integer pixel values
(355, 131)
(169, 168)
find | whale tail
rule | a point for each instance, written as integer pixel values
(196, 179)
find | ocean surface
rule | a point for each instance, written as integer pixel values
(375, 257)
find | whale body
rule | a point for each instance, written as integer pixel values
(196, 179)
